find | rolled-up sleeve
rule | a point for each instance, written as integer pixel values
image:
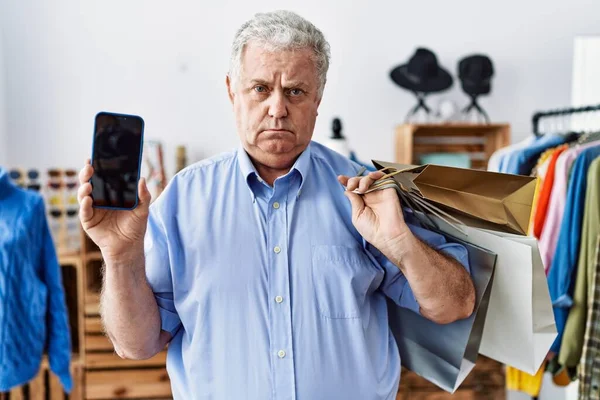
(396, 286)
(158, 269)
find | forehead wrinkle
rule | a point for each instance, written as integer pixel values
(268, 67)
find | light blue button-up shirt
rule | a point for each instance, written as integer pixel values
(270, 292)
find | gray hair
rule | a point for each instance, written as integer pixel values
(281, 30)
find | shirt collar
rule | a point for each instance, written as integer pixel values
(302, 165)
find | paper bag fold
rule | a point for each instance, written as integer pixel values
(488, 200)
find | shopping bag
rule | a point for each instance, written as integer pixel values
(445, 354)
(483, 199)
(519, 327)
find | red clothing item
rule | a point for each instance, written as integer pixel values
(544, 196)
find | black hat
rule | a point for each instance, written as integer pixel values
(422, 73)
(475, 73)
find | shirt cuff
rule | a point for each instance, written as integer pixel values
(169, 318)
(169, 321)
(564, 301)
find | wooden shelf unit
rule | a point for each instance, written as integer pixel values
(46, 386)
(479, 141)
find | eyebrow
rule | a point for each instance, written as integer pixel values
(290, 85)
(259, 82)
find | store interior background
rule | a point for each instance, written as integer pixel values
(63, 61)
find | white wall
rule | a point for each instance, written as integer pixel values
(3, 133)
(66, 60)
(586, 79)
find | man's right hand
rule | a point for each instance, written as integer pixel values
(116, 232)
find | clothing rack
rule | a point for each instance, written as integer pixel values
(559, 112)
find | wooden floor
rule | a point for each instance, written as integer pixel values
(485, 382)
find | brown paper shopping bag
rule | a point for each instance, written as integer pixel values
(483, 199)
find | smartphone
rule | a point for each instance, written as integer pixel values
(117, 159)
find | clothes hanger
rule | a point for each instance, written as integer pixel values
(589, 137)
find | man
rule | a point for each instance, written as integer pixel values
(261, 268)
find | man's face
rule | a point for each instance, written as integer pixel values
(275, 102)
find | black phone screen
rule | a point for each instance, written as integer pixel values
(116, 159)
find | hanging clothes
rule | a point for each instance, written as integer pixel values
(522, 160)
(496, 157)
(589, 368)
(524, 382)
(556, 206)
(572, 342)
(539, 171)
(541, 166)
(564, 264)
(541, 208)
(33, 312)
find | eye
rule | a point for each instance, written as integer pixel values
(296, 92)
(260, 89)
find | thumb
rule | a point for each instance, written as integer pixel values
(356, 201)
(144, 194)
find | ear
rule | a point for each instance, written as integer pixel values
(229, 88)
(319, 103)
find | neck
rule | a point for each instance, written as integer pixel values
(269, 174)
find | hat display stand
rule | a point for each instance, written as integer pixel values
(475, 73)
(413, 114)
(422, 75)
(473, 112)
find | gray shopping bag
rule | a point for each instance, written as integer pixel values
(445, 354)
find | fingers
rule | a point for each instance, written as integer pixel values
(86, 212)
(86, 173)
(84, 190)
(343, 179)
(362, 183)
(365, 183)
(357, 203)
(376, 174)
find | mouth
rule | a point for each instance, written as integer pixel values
(277, 132)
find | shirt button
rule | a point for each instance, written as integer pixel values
(276, 205)
(279, 299)
(281, 353)
(277, 249)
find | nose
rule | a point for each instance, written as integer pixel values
(278, 105)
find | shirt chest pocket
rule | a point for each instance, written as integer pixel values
(342, 280)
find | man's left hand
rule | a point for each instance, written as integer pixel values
(377, 215)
